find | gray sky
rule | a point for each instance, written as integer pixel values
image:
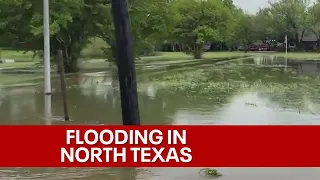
(251, 6)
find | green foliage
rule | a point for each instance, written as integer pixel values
(243, 30)
(263, 25)
(314, 21)
(150, 25)
(72, 24)
(192, 24)
(283, 17)
(199, 23)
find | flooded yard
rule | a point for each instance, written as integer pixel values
(259, 90)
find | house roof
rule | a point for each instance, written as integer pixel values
(309, 36)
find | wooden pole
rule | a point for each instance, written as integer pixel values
(126, 69)
(63, 85)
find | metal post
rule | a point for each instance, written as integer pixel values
(46, 59)
(126, 69)
(47, 109)
(286, 45)
(286, 53)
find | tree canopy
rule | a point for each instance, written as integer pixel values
(193, 24)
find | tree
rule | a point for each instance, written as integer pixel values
(263, 26)
(200, 23)
(290, 17)
(15, 16)
(72, 24)
(243, 32)
(314, 21)
(150, 20)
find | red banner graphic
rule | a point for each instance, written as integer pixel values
(159, 146)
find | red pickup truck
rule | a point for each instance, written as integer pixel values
(262, 47)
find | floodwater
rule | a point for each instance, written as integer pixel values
(262, 90)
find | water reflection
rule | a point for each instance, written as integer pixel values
(302, 67)
(92, 100)
(94, 97)
(252, 91)
(158, 174)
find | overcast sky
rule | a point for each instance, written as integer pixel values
(251, 6)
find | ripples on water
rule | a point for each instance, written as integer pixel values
(252, 91)
(160, 174)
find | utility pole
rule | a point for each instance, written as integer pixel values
(126, 67)
(46, 59)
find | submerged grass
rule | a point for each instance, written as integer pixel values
(218, 84)
(6, 79)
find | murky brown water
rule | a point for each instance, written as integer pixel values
(251, 91)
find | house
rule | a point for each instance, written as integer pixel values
(309, 41)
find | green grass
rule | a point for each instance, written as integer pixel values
(25, 59)
(160, 57)
(18, 56)
(169, 56)
(17, 65)
(165, 58)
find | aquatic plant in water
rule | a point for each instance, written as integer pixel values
(209, 172)
(218, 84)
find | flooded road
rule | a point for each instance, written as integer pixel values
(250, 91)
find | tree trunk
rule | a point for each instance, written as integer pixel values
(70, 59)
(197, 56)
(245, 47)
(197, 51)
(299, 40)
(72, 65)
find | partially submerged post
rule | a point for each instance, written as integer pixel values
(63, 85)
(47, 110)
(46, 48)
(126, 69)
(46, 61)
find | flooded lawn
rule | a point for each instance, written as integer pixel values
(249, 91)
